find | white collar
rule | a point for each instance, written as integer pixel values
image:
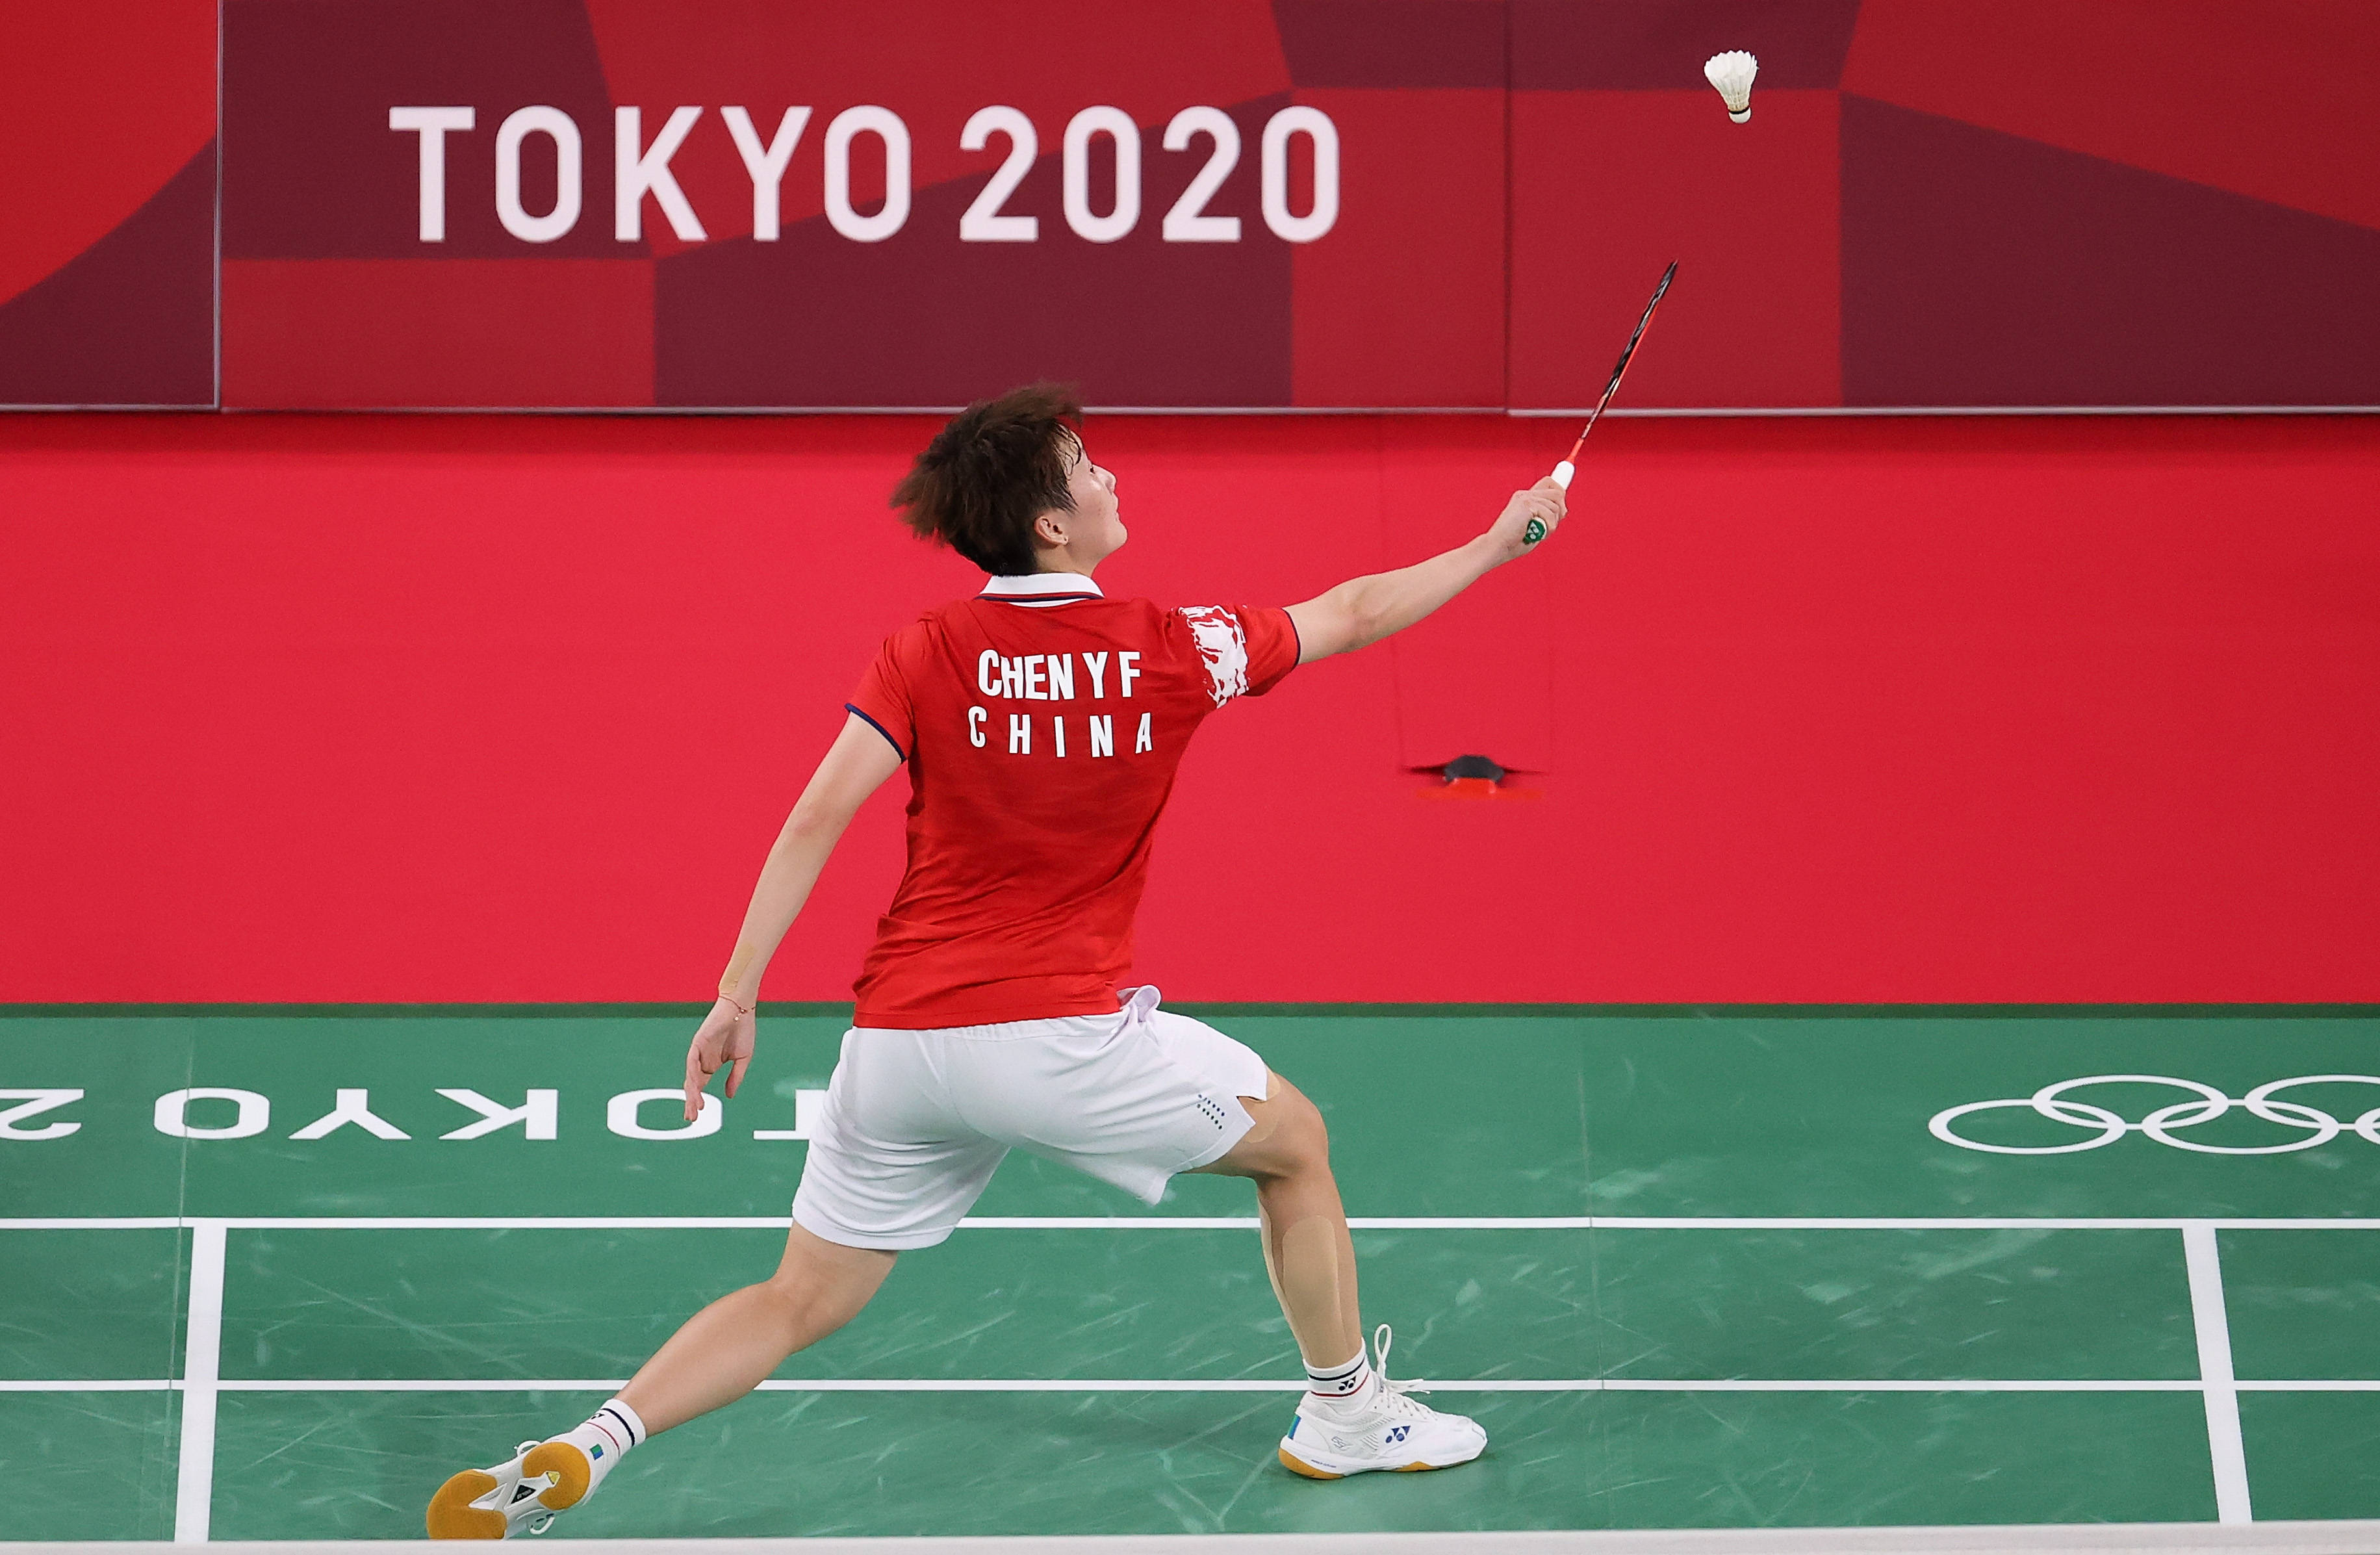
(1042, 586)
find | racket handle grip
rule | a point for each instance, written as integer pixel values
(1536, 531)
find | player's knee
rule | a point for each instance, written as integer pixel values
(810, 1305)
(822, 1282)
(1285, 1138)
(1300, 1141)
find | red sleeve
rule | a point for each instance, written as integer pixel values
(883, 695)
(1272, 645)
(1245, 648)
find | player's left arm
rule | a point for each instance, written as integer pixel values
(854, 766)
(1362, 610)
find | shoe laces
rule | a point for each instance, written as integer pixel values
(1393, 1399)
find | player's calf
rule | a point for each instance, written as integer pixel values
(541, 1480)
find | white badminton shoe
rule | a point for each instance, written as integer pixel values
(540, 1479)
(1381, 1428)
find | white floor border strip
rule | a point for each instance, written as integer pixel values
(1201, 1223)
(2342, 1538)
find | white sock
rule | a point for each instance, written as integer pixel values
(1341, 1382)
(605, 1438)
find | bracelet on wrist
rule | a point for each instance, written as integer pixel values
(729, 1001)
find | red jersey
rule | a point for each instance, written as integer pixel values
(1042, 723)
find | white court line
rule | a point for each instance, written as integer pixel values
(95, 1222)
(1226, 1385)
(1198, 1222)
(2223, 1440)
(201, 1386)
(194, 1489)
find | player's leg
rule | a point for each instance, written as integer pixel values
(1308, 1251)
(894, 1172)
(1353, 1419)
(1136, 1096)
(720, 1355)
(726, 1350)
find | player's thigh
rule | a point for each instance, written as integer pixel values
(1130, 1098)
(1286, 1137)
(891, 1165)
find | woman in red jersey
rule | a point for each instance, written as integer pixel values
(1041, 723)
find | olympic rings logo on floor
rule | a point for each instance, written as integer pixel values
(2205, 1105)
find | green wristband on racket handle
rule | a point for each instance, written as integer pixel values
(1536, 531)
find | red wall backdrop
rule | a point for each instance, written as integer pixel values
(1942, 204)
(454, 708)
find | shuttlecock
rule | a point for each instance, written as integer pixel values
(1731, 72)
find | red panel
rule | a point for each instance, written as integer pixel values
(1463, 270)
(465, 708)
(1987, 270)
(1609, 187)
(1394, 42)
(2266, 100)
(100, 103)
(925, 318)
(311, 169)
(934, 65)
(131, 319)
(371, 333)
(1402, 301)
(1659, 45)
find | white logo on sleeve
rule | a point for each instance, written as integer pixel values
(1223, 645)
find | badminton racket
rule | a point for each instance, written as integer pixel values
(1569, 467)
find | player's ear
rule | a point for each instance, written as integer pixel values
(1050, 528)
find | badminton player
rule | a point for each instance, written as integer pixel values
(1041, 722)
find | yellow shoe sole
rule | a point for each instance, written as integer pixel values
(1297, 1466)
(569, 1467)
(451, 1515)
(1308, 1470)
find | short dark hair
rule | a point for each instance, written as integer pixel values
(994, 468)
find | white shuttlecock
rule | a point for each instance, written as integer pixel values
(1731, 72)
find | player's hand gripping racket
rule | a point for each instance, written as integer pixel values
(1569, 467)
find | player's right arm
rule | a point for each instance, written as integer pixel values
(854, 766)
(1362, 610)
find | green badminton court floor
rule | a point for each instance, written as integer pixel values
(1688, 1268)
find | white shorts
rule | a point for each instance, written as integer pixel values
(915, 1120)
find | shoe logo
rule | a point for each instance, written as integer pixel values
(596, 1450)
(1396, 1434)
